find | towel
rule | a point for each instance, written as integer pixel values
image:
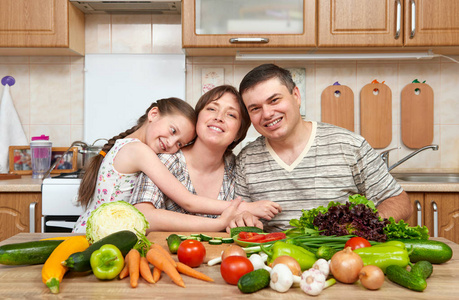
(11, 132)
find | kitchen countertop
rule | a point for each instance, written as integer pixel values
(24, 184)
(27, 184)
(25, 282)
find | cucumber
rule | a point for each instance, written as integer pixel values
(28, 253)
(423, 269)
(80, 261)
(406, 279)
(227, 240)
(173, 242)
(253, 281)
(205, 237)
(235, 231)
(215, 242)
(325, 252)
(435, 252)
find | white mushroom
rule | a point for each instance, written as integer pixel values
(258, 262)
(282, 278)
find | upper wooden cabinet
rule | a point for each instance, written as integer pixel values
(388, 23)
(360, 23)
(431, 23)
(247, 24)
(40, 27)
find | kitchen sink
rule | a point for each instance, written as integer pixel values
(428, 177)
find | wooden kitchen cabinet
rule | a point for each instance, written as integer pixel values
(431, 23)
(221, 27)
(438, 211)
(15, 209)
(388, 23)
(41, 27)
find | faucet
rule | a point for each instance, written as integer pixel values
(386, 155)
(76, 143)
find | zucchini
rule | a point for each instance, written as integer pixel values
(235, 231)
(173, 242)
(28, 253)
(423, 269)
(435, 252)
(406, 279)
(253, 281)
(80, 261)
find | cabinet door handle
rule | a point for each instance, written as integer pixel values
(419, 212)
(398, 19)
(32, 217)
(435, 218)
(249, 40)
(413, 19)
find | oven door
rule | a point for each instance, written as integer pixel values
(58, 223)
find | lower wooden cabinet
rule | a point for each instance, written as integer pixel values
(438, 211)
(17, 210)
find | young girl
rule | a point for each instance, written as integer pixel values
(166, 126)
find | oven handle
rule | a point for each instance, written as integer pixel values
(61, 224)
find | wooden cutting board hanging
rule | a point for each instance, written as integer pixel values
(338, 106)
(376, 114)
(417, 115)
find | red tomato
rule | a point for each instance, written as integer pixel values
(191, 253)
(234, 267)
(357, 242)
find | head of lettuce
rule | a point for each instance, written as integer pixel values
(113, 217)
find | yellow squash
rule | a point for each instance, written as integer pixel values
(53, 271)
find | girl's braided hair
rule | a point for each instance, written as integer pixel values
(167, 106)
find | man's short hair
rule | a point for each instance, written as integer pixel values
(265, 72)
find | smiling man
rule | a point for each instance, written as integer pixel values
(304, 164)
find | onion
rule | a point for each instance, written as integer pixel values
(290, 262)
(345, 265)
(233, 250)
(371, 277)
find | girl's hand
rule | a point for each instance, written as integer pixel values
(231, 211)
(263, 209)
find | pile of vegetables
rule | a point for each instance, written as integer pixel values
(359, 217)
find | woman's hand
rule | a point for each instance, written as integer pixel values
(263, 209)
(244, 219)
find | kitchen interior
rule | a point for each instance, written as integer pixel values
(115, 60)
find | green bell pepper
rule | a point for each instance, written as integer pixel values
(392, 243)
(107, 262)
(383, 256)
(305, 258)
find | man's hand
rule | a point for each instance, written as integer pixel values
(244, 219)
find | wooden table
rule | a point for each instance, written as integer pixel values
(24, 282)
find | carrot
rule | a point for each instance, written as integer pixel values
(125, 271)
(134, 266)
(145, 271)
(165, 253)
(158, 260)
(184, 269)
(156, 274)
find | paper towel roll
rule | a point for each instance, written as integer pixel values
(11, 132)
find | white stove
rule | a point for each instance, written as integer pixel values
(59, 204)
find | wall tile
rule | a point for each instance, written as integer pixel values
(50, 94)
(76, 94)
(97, 33)
(131, 33)
(449, 94)
(167, 38)
(449, 148)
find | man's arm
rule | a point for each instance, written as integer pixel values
(398, 207)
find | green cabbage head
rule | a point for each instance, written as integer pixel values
(113, 217)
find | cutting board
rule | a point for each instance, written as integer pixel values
(212, 251)
(338, 106)
(417, 115)
(376, 114)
